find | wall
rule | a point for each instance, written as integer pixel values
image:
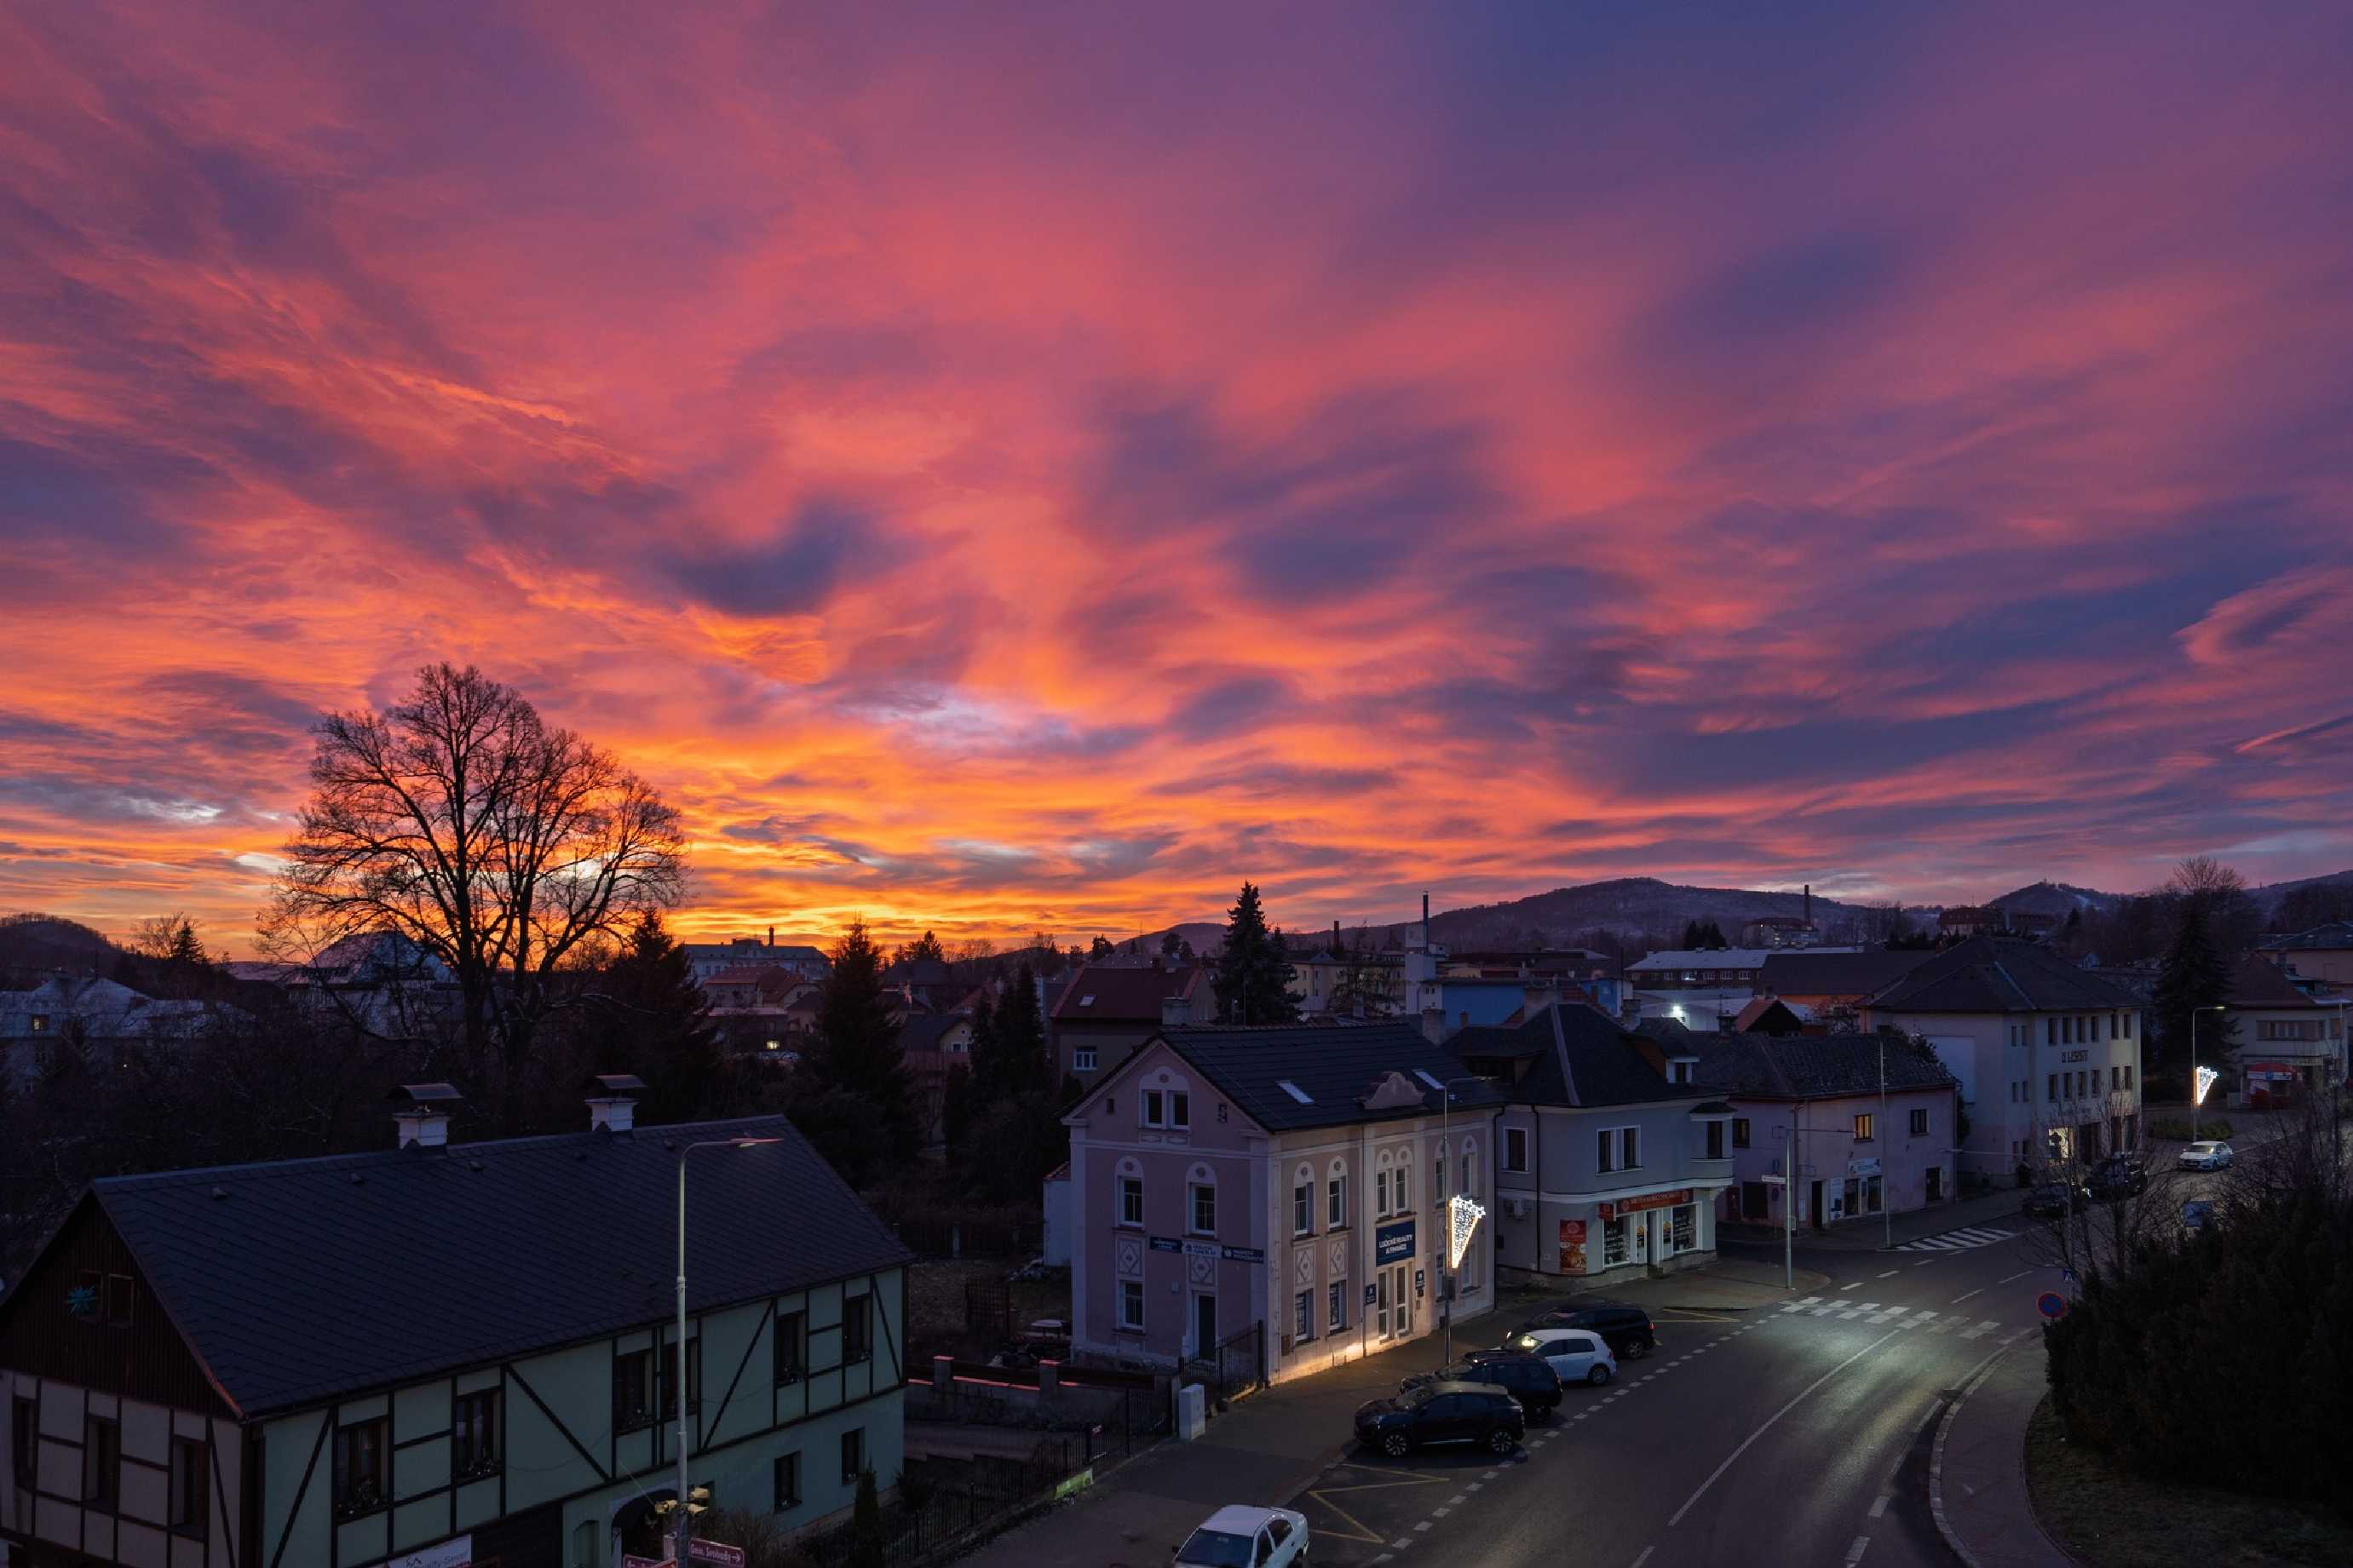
(1827, 1134)
(1567, 1186)
(138, 1530)
(1981, 1043)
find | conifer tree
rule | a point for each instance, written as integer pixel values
(1254, 975)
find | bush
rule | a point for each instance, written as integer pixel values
(2176, 1128)
(2221, 1357)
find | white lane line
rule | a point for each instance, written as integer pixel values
(1438, 1514)
(2020, 1275)
(1645, 1557)
(1967, 1294)
(1769, 1420)
(1484, 1476)
(1456, 1500)
(1418, 1524)
(1402, 1541)
(1855, 1313)
(1470, 1486)
(1849, 1287)
(1891, 1312)
(1891, 1274)
(1855, 1554)
(1924, 1263)
(1879, 1505)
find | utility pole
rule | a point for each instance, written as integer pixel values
(2194, 1096)
(1886, 1209)
(684, 1521)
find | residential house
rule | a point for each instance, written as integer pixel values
(1771, 1015)
(1108, 1010)
(446, 1354)
(1818, 979)
(95, 1015)
(1301, 1178)
(379, 981)
(1610, 1154)
(934, 1044)
(2288, 1035)
(2046, 1053)
(2324, 952)
(1704, 988)
(1860, 1151)
(708, 958)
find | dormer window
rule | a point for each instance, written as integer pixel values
(1679, 1070)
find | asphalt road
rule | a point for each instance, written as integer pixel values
(1788, 1435)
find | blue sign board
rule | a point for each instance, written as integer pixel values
(1368, 1295)
(1394, 1242)
(1243, 1254)
(1191, 1248)
(1167, 1244)
(2050, 1304)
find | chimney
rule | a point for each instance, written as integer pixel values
(424, 1112)
(1176, 1012)
(613, 1101)
(1433, 1025)
(1810, 903)
(772, 936)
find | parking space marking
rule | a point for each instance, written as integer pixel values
(1396, 1478)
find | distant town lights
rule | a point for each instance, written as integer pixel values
(1462, 1218)
(2206, 1077)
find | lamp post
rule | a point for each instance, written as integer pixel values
(681, 1533)
(2194, 1096)
(1446, 1153)
(1886, 1209)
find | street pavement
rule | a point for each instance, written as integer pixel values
(1798, 1431)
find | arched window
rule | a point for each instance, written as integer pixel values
(1336, 1195)
(1200, 1200)
(1303, 1200)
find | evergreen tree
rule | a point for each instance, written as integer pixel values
(1101, 948)
(1254, 975)
(1018, 1057)
(923, 947)
(654, 1023)
(1690, 942)
(984, 1049)
(956, 1108)
(868, 1546)
(1169, 945)
(2194, 974)
(858, 1039)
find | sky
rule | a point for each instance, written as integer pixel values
(1011, 468)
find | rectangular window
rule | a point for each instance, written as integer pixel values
(1613, 1241)
(1155, 1108)
(1335, 1307)
(1381, 1194)
(2051, 1088)
(1302, 1317)
(1302, 1208)
(1740, 1133)
(633, 1391)
(788, 1482)
(853, 1453)
(667, 1372)
(1336, 1204)
(1131, 1304)
(2116, 1077)
(1082, 1060)
(1180, 1109)
(1715, 1139)
(102, 1463)
(2129, 1025)
(1919, 1121)
(117, 1301)
(1629, 1148)
(1862, 1129)
(1204, 1210)
(1438, 1177)
(1515, 1148)
(1131, 1200)
(474, 1435)
(857, 1328)
(2050, 1031)
(360, 1467)
(790, 1352)
(1679, 1072)
(2128, 1075)
(191, 1495)
(1404, 1204)
(23, 1433)
(1608, 1144)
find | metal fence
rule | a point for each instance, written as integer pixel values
(1235, 1366)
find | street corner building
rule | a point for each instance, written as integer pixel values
(1272, 1201)
(444, 1354)
(1612, 1154)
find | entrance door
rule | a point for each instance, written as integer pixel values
(1381, 1299)
(1818, 1205)
(1638, 1239)
(1401, 1293)
(1936, 1183)
(1205, 1325)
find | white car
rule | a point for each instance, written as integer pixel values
(2209, 1155)
(1238, 1537)
(1578, 1355)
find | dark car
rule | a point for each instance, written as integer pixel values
(1627, 1330)
(2054, 1200)
(2119, 1176)
(1526, 1378)
(1442, 1413)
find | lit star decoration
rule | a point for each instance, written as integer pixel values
(83, 1302)
(2206, 1077)
(1462, 1218)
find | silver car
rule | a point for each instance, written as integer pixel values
(2206, 1155)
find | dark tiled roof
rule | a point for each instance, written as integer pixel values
(924, 1031)
(2333, 936)
(1332, 1064)
(1125, 992)
(306, 1279)
(1836, 973)
(1812, 1067)
(1578, 1055)
(1989, 974)
(2258, 983)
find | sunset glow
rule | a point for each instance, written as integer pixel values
(1031, 470)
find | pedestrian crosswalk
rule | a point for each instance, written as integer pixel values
(1957, 1240)
(1900, 1316)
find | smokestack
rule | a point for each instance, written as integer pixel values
(772, 936)
(1810, 903)
(613, 1101)
(424, 1114)
(1425, 919)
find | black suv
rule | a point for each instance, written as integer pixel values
(1442, 1413)
(1527, 1378)
(2053, 1199)
(1625, 1329)
(2119, 1176)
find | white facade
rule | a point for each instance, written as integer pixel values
(2037, 1085)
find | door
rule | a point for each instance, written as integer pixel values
(1443, 1418)
(1818, 1205)
(1638, 1237)
(1567, 1356)
(1205, 1326)
(1936, 1183)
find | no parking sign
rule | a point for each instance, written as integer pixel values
(2052, 1305)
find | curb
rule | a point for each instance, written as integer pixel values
(1977, 1374)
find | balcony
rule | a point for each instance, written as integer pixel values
(1711, 1170)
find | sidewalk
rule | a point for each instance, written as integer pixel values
(1976, 1477)
(1870, 1234)
(1727, 1285)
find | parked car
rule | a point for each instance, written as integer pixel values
(2119, 1176)
(1575, 1356)
(2206, 1155)
(2054, 1200)
(1627, 1330)
(1526, 1378)
(1442, 1413)
(1238, 1537)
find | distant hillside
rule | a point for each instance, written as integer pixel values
(2056, 899)
(52, 941)
(2269, 895)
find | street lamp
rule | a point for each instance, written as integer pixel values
(2196, 1095)
(685, 1514)
(1453, 1255)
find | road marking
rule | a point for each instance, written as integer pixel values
(1454, 1501)
(1822, 1311)
(1489, 1476)
(1984, 1327)
(1362, 1530)
(2020, 1275)
(1434, 1513)
(1967, 1294)
(1418, 1524)
(1854, 1312)
(1401, 1542)
(1924, 1263)
(1943, 1328)
(1808, 1301)
(1769, 1420)
(1849, 1287)
(1879, 1505)
(1645, 1557)
(1891, 1312)
(1891, 1274)
(1855, 1554)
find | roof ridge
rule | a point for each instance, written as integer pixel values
(1560, 1049)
